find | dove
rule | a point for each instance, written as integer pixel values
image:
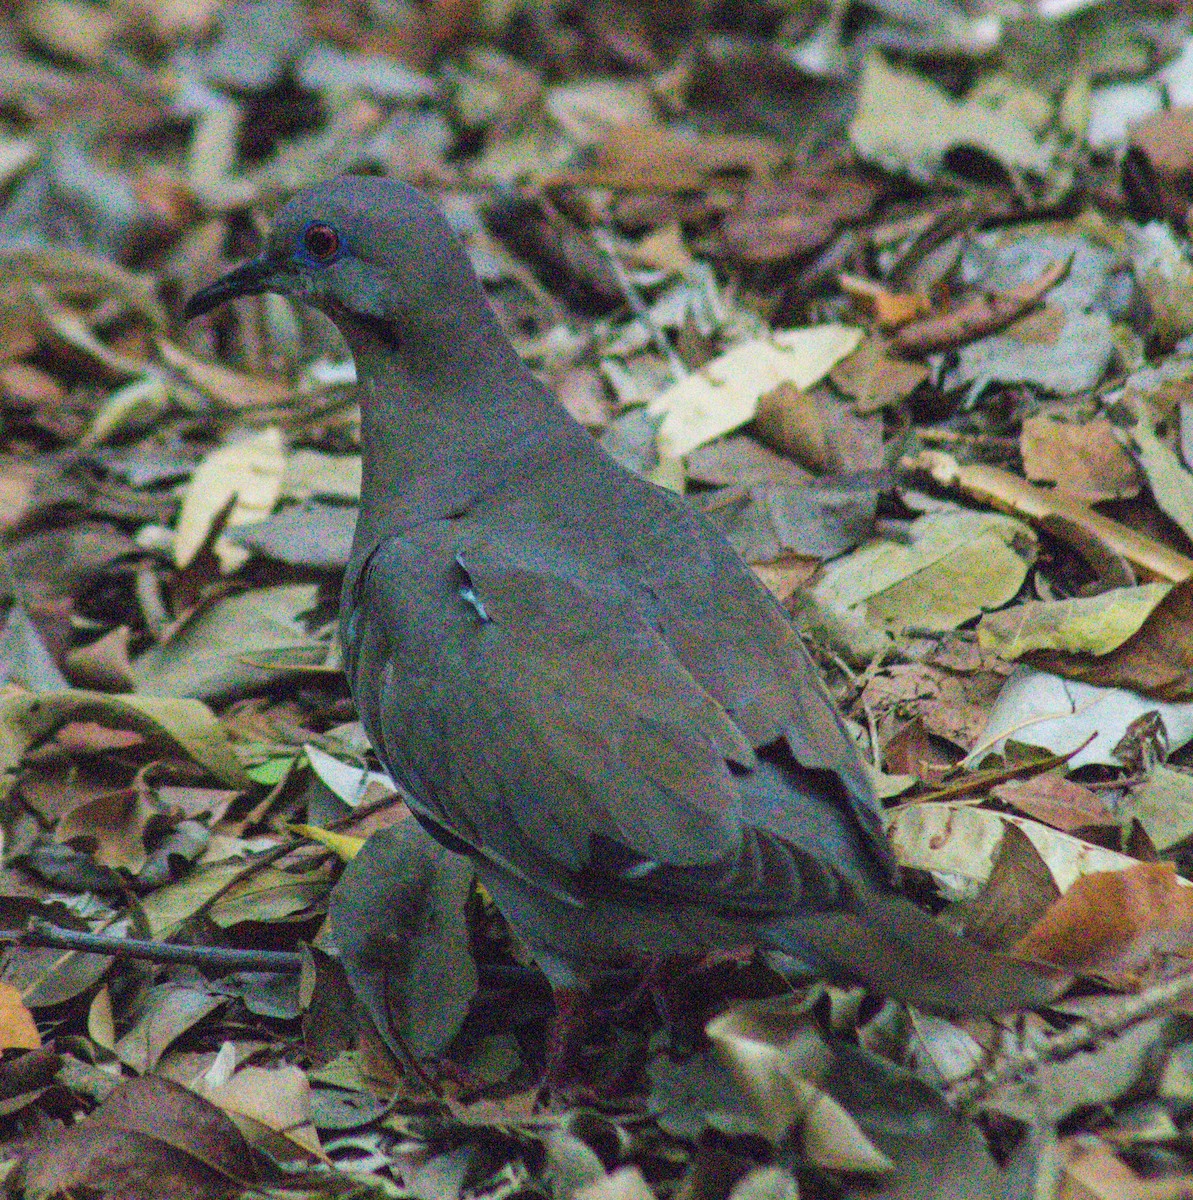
(571, 674)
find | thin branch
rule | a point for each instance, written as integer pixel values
(1086, 1033)
(222, 958)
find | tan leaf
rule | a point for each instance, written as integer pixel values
(251, 470)
(18, 1030)
(1085, 461)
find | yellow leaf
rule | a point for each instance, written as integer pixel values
(345, 846)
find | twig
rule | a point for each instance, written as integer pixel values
(985, 779)
(223, 958)
(983, 314)
(604, 242)
(970, 1092)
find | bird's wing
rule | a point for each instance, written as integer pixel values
(551, 729)
(740, 645)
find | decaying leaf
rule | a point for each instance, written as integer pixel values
(1163, 805)
(1093, 640)
(779, 1060)
(236, 643)
(959, 844)
(1009, 493)
(1119, 925)
(956, 565)
(1093, 625)
(723, 394)
(1084, 460)
(908, 124)
(249, 470)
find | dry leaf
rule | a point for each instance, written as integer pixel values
(1002, 490)
(1091, 625)
(18, 1030)
(1119, 925)
(1084, 461)
(823, 434)
(873, 381)
(723, 394)
(251, 470)
(1056, 801)
(1155, 660)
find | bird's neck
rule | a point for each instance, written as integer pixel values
(443, 424)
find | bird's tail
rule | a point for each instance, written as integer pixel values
(890, 946)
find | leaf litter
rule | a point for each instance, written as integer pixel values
(900, 296)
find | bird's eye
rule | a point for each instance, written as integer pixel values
(321, 242)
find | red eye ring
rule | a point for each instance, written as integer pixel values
(321, 242)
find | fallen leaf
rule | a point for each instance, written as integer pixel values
(906, 123)
(823, 434)
(1055, 800)
(18, 1030)
(173, 725)
(1121, 926)
(956, 565)
(1091, 625)
(279, 1098)
(1155, 660)
(1083, 460)
(1092, 1171)
(723, 394)
(872, 380)
(779, 1059)
(959, 843)
(232, 389)
(236, 644)
(150, 1137)
(1076, 719)
(1018, 892)
(249, 470)
(1163, 805)
(112, 826)
(168, 1012)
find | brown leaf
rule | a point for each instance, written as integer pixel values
(914, 751)
(1085, 461)
(795, 216)
(1157, 660)
(873, 381)
(983, 314)
(169, 1011)
(582, 393)
(103, 664)
(1118, 925)
(1156, 168)
(150, 1138)
(822, 433)
(18, 1030)
(1018, 892)
(739, 458)
(22, 385)
(1056, 801)
(112, 826)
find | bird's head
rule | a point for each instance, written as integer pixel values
(365, 251)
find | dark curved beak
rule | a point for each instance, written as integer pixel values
(249, 279)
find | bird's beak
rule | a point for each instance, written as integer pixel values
(249, 279)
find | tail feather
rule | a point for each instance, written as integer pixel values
(895, 949)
